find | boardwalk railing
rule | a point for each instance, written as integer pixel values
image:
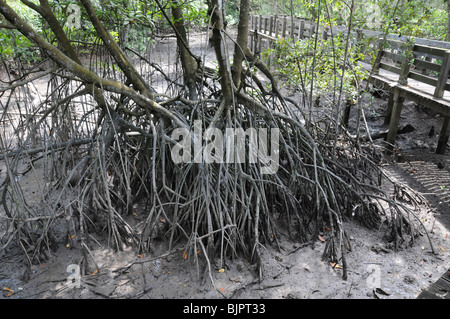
(410, 68)
(416, 72)
(273, 27)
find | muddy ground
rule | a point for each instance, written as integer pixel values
(291, 272)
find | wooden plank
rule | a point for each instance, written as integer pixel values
(392, 44)
(423, 78)
(393, 56)
(263, 36)
(389, 67)
(433, 43)
(426, 99)
(427, 56)
(442, 284)
(429, 50)
(425, 294)
(446, 275)
(382, 82)
(438, 292)
(426, 65)
(443, 75)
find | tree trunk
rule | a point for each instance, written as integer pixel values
(116, 52)
(66, 46)
(189, 65)
(219, 44)
(241, 42)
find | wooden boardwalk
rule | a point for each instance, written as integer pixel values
(413, 84)
(438, 290)
(415, 69)
(281, 26)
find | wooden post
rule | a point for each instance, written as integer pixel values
(296, 28)
(260, 23)
(443, 75)
(252, 31)
(265, 24)
(277, 27)
(301, 30)
(376, 65)
(388, 112)
(312, 30)
(292, 29)
(255, 41)
(271, 26)
(325, 33)
(443, 136)
(406, 65)
(259, 44)
(395, 119)
(439, 93)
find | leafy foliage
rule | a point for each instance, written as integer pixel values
(299, 67)
(14, 45)
(196, 12)
(419, 18)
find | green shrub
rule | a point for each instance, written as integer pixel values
(13, 45)
(322, 63)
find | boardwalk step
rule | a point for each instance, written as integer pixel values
(438, 290)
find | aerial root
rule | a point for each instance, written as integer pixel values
(217, 210)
